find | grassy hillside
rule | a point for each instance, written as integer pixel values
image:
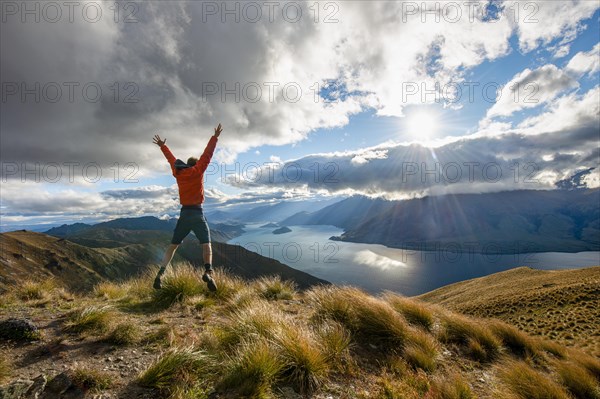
(562, 304)
(265, 339)
(113, 254)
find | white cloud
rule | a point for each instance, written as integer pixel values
(585, 62)
(545, 149)
(170, 55)
(530, 89)
(538, 23)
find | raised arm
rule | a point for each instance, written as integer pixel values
(165, 150)
(206, 156)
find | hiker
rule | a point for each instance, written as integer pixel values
(190, 180)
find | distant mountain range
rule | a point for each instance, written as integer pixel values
(88, 233)
(81, 255)
(505, 222)
(267, 213)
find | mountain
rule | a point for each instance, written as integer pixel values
(67, 229)
(504, 222)
(113, 254)
(114, 232)
(561, 304)
(29, 255)
(345, 214)
(265, 339)
(281, 210)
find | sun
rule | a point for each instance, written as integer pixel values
(422, 125)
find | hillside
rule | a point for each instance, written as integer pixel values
(518, 221)
(112, 254)
(562, 304)
(265, 339)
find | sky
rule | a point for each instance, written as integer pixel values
(393, 99)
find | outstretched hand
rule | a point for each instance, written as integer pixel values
(156, 140)
(218, 130)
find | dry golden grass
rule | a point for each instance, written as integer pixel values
(561, 305)
(253, 369)
(476, 339)
(415, 312)
(244, 341)
(5, 369)
(525, 382)
(578, 380)
(273, 288)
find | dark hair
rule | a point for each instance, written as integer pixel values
(192, 161)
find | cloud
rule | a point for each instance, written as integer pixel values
(585, 62)
(530, 89)
(538, 23)
(534, 155)
(167, 61)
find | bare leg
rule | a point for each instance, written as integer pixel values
(168, 255)
(207, 253)
(165, 262)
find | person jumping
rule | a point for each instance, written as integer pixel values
(190, 180)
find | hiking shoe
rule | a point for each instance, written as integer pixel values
(210, 282)
(157, 283)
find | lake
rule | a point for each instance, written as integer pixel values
(376, 267)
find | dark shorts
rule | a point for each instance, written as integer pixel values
(191, 220)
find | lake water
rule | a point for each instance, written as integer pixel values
(376, 268)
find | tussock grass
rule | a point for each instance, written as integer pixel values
(377, 321)
(306, 364)
(240, 299)
(336, 303)
(336, 341)
(519, 343)
(415, 312)
(259, 319)
(273, 288)
(421, 351)
(227, 284)
(178, 371)
(553, 348)
(578, 380)
(404, 384)
(5, 369)
(479, 342)
(91, 380)
(591, 364)
(164, 336)
(91, 319)
(254, 368)
(111, 290)
(199, 302)
(452, 387)
(526, 383)
(31, 290)
(183, 282)
(366, 317)
(125, 333)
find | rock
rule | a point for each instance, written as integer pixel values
(15, 390)
(19, 330)
(36, 389)
(59, 384)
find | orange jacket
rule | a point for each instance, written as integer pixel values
(191, 180)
